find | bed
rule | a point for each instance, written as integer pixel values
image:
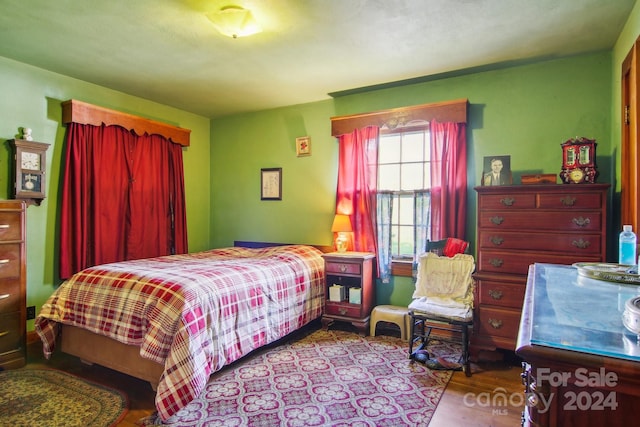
(174, 320)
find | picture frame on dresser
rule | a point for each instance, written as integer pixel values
(496, 171)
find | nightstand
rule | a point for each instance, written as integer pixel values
(350, 294)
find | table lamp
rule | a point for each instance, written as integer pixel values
(342, 226)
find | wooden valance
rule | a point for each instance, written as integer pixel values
(80, 112)
(449, 111)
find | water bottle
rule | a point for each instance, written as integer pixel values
(627, 253)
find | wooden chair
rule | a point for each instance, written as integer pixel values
(444, 303)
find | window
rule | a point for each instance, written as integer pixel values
(404, 172)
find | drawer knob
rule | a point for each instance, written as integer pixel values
(581, 244)
(3, 333)
(342, 311)
(4, 261)
(495, 294)
(5, 296)
(496, 262)
(497, 220)
(4, 226)
(496, 240)
(581, 222)
(568, 201)
(343, 268)
(495, 323)
(508, 201)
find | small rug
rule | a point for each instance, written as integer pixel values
(46, 397)
(328, 378)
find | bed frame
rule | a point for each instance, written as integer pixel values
(122, 357)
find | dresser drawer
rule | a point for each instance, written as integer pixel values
(589, 244)
(502, 294)
(10, 226)
(548, 220)
(571, 200)
(507, 201)
(498, 322)
(342, 268)
(9, 260)
(518, 262)
(9, 295)
(10, 336)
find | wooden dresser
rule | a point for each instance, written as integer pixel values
(519, 225)
(13, 301)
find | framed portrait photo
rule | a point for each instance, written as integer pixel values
(303, 146)
(496, 170)
(271, 184)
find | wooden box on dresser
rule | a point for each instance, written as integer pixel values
(13, 303)
(349, 270)
(519, 225)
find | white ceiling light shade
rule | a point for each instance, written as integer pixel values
(234, 21)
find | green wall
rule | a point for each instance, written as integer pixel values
(31, 97)
(524, 111)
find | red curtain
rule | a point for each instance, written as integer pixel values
(448, 180)
(357, 181)
(122, 197)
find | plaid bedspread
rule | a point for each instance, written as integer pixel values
(192, 313)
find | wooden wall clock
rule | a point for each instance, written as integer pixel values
(579, 161)
(29, 170)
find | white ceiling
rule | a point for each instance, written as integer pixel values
(169, 52)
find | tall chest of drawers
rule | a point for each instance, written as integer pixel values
(521, 225)
(13, 303)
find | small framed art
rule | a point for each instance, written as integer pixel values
(497, 171)
(271, 184)
(303, 146)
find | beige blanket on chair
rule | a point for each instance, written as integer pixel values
(444, 284)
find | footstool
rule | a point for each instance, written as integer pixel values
(392, 314)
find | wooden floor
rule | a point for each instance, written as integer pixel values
(467, 401)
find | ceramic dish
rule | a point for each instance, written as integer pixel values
(631, 315)
(619, 273)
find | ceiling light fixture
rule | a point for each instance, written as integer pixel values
(234, 21)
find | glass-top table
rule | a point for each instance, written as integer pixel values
(573, 312)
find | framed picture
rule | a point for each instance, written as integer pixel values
(303, 146)
(497, 171)
(271, 184)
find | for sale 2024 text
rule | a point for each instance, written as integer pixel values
(596, 395)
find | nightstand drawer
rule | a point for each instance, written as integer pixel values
(343, 268)
(346, 310)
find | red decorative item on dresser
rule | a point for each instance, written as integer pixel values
(522, 225)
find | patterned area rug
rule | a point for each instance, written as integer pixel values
(45, 397)
(328, 378)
